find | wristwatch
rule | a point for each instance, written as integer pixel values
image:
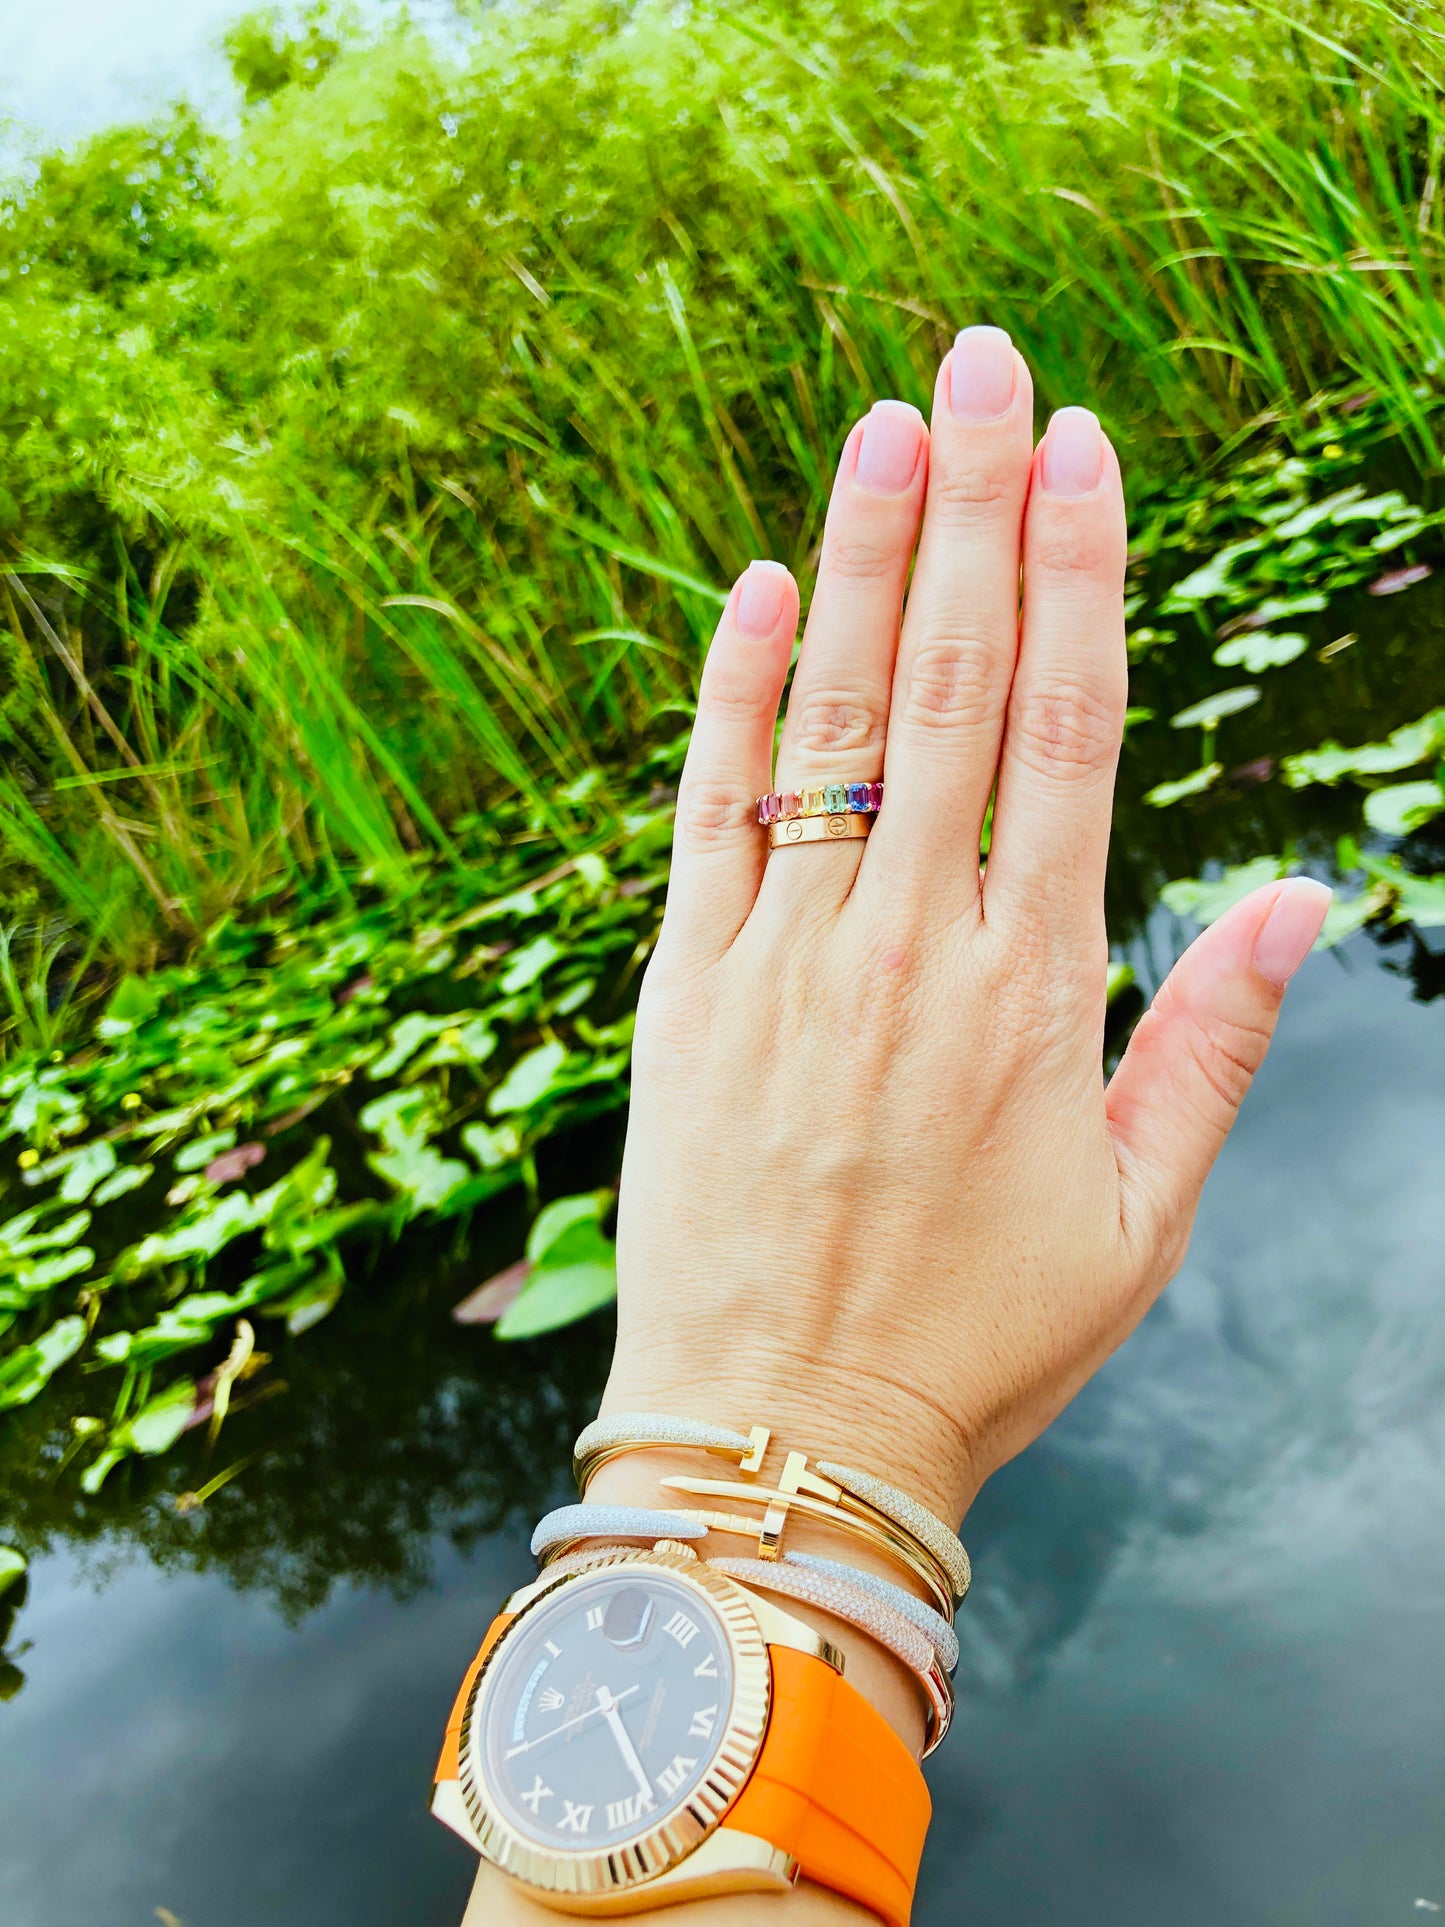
(641, 1730)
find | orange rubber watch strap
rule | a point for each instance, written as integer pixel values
(450, 1763)
(836, 1789)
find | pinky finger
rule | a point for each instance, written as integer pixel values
(718, 849)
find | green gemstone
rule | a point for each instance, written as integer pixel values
(835, 798)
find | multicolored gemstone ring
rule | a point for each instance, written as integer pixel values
(827, 799)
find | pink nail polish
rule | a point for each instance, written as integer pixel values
(760, 599)
(888, 454)
(981, 375)
(1284, 938)
(1073, 458)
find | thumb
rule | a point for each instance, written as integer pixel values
(1184, 1076)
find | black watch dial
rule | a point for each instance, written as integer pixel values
(606, 1706)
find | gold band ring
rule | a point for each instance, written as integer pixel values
(818, 829)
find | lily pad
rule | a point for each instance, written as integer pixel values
(1198, 780)
(1207, 898)
(1403, 807)
(1256, 650)
(1209, 712)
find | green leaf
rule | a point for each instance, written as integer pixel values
(558, 1217)
(406, 1037)
(1411, 743)
(130, 1177)
(529, 1080)
(1163, 794)
(27, 1371)
(133, 1000)
(13, 1566)
(160, 1421)
(1403, 807)
(196, 1155)
(526, 965)
(1259, 649)
(1206, 900)
(1207, 714)
(85, 1168)
(18, 1240)
(46, 1272)
(559, 1297)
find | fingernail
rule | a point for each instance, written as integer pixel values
(892, 432)
(760, 599)
(1284, 938)
(981, 375)
(1073, 453)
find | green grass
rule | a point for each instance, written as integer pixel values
(393, 456)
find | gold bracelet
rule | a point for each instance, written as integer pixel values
(887, 1518)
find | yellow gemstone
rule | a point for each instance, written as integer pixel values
(813, 804)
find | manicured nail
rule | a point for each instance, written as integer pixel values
(892, 433)
(760, 599)
(981, 375)
(1284, 938)
(1073, 453)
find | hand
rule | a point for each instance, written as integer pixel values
(875, 1192)
(605, 1704)
(608, 1706)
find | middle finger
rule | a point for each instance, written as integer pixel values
(960, 636)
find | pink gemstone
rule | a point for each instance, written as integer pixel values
(789, 803)
(767, 808)
(875, 796)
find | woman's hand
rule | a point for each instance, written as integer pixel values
(876, 1194)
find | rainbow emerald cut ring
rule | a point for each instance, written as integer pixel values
(827, 799)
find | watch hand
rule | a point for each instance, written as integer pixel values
(607, 1706)
(552, 1731)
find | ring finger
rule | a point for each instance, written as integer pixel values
(837, 715)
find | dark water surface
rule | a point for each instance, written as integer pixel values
(1204, 1658)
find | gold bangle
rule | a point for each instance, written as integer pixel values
(818, 829)
(894, 1523)
(767, 1531)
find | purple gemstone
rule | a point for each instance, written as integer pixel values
(767, 808)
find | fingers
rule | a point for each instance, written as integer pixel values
(718, 847)
(838, 707)
(1174, 1097)
(960, 635)
(1065, 718)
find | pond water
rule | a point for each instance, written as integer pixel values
(1202, 1660)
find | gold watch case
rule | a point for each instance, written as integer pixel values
(683, 1854)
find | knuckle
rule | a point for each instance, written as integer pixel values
(858, 554)
(710, 813)
(953, 683)
(732, 692)
(1225, 1052)
(966, 488)
(833, 721)
(1079, 552)
(1068, 728)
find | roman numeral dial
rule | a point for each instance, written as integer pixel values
(603, 1709)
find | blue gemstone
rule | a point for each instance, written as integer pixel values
(858, 796)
